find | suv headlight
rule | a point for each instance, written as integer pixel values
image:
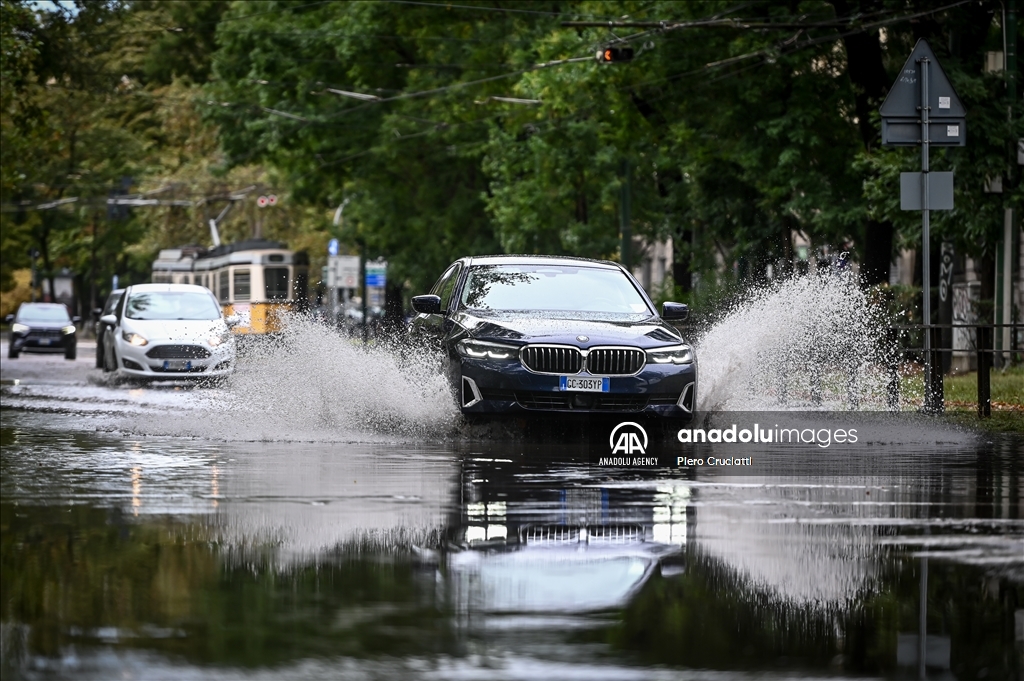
(485, 350)
(675, 354)
(134, 338)
(19, 328)
(67, 329)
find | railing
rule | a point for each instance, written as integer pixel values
(934, 390)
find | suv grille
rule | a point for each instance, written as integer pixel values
(178, 352)
(615, 361)
(552, 360)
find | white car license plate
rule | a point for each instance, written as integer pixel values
(44, 341)
(177, 365)
(583, 384)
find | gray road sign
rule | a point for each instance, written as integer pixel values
(906, 132)
(940, 191)
(346, 270)
(904, 99)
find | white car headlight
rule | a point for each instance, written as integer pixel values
(134, 338)
(485, 350)
(19, 328)
(675, 354)
(67, 329)
(219, 338)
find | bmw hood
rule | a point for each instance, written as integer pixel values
(643, 332)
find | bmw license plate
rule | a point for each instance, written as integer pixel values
(177, 365)
(583, 384)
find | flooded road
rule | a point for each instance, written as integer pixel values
(175, 532)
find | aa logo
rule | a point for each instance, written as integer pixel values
(628, 438)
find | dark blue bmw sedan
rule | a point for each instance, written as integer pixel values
(555, 334)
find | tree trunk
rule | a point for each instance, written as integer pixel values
(870, 83)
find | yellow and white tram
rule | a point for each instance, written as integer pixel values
(257, 279)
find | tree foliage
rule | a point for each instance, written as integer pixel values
(488, 127)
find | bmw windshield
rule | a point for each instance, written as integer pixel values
(552, 288)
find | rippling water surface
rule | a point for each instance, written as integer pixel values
(325, 514)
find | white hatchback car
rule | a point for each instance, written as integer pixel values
(169, 331)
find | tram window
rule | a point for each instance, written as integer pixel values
(241, 284)
(276, 280)
(223, 294)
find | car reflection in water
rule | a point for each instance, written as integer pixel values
(578, 549)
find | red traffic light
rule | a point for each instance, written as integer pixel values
(614, 54)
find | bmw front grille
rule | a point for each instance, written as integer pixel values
(548, 359)
(605, 361)
(615, 361)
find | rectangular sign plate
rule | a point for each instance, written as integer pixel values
(940, 191)
(584, 384)
(906, 132)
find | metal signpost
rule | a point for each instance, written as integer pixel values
(342, 273)
(922, 109)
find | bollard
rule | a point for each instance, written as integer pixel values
(934, 398)
(893, 386)
(984, 371)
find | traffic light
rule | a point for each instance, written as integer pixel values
(610, 55)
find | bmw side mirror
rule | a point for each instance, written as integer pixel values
(427, 304)
(109, 320)
(675, 312)
(232, 320)
(9, 319)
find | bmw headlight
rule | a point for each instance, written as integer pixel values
(19, 328)
(67, 329)
(675, 354)
(219, 338)
(476, 349)
(134, 338)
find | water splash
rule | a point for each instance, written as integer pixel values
(313, 384)
(812, 342)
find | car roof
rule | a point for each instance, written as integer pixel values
(169, 288)
(539, 260)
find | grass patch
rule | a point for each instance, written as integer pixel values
(961, 398)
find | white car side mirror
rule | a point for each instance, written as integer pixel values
(109, 319)
(232, 320)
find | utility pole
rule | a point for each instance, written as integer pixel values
(1004, 250)
(625, 220)
(33, 254)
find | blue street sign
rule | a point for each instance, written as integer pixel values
(332, 247)
(376, 279)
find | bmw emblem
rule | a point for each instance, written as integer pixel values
(582, 339)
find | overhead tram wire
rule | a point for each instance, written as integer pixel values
(481, 8)
(767, 51)
(665, 26)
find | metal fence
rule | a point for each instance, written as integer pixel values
(934, 389)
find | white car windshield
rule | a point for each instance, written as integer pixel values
(171, 305)
(551, 288)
